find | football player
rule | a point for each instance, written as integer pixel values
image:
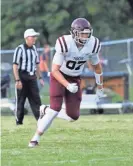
(72, 52)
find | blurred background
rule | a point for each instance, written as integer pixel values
(112, 22)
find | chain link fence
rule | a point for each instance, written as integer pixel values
(118, 56)
(115, 56)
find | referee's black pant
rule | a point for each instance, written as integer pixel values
(29, 90)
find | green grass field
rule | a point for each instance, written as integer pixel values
(100, 140)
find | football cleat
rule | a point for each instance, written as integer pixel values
(32, 144)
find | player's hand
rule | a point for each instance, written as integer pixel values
(99, 93)
(72, 87)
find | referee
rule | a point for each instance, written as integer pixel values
(26, 70)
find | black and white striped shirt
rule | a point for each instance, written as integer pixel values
(26, 57)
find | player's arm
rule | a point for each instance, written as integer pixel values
(97, 68)
(98, 75)
(72, 87)
(89, 65)
(57, 62)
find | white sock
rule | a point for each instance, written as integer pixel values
(47, 119)
(63, 115)
(38, 122)
(36, 137)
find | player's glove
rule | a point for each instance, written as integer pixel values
(99, 93)
(72, 87)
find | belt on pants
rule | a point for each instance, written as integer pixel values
(26, 72)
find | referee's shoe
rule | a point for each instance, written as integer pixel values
(18, 123)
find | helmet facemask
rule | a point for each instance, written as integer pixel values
(81, 37)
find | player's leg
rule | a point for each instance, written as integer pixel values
(63, 115)
(56, 98)
(72, 102)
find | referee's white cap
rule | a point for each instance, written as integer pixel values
(30, 32)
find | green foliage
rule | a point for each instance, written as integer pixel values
(110, 19)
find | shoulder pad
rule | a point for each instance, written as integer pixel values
(61, 45)
(96, 45)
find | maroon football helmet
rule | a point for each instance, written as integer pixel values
(79, 27)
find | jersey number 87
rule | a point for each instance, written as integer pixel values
(74, 65)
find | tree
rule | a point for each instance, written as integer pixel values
(111, 19)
